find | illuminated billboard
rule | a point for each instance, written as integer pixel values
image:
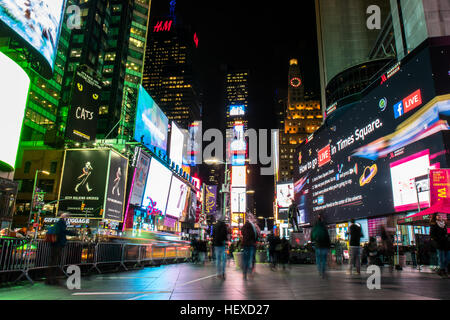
(116, 187)
(157, 187)
(176, 144)
(238, 200)
(237, 110)
(238, 176)
(139, 178)
(14, 84)
(177, 198)
(367, 165)
(38, 23)
(151, 123)
(285, 195)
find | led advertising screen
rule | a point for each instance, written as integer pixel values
(117, 182)
(238, 176)
(36, 22)
(140, 178)
(14, 84)
(285, 195)
(157, 187)
(176, 145)
(237, 110)
(177, 198)
(238, 200)
(83, 114)
(151, 123)
(370, 147)
(84, 179)
(194, 148)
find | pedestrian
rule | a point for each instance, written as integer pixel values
(413, 250)
(440, 240)
(339, 251)
(355, 247)
(272, 253)
(203, 250)
(388, 248)
(59, 232)
(372, 251)
(284, 253)
(321, 239)
(194, 249)
(249, 238)
(221, 235)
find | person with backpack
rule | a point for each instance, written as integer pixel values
(249, 238)
(56, 236)
(221, 235)
(322, 243)
(355, 247)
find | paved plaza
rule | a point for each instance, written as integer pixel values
(188, 281)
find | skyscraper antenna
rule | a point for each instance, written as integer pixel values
(173, 3)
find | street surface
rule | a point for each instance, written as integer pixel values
(188, 281)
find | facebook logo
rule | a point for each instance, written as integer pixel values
(398, 109)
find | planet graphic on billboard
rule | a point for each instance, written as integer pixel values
(368, 174)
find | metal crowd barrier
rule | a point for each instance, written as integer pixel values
(23, 256)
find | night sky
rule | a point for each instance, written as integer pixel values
(261, 36)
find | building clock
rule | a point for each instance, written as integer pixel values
(296, 82)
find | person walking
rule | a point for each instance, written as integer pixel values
(413, 251)
(339, 251)
(321, 239)
(221, 235)
(284, 253)
(272, 253)
(388, 248)
(249, 238)
(355, 247)
(372, 251)
(59, 230)
(439, 236)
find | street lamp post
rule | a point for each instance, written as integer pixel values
(34, 192)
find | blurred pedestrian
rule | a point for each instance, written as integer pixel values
(249, 238)
(272, 253)
(57, 241)
(388, 248)
(355, 247)
(284, 253)
(203, 250)
(339, 251)
(372, 251)
(321, 239)
(439, 236)
(413, 250)
(221, 235)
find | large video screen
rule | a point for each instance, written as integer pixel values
(285, 195)
(238, 200)
(157, 187)
(37, 22)
(238, 176)
(364, 160)
(151, 123)
(116, 187)
(177, 198)
(176, 145)
(140, 178)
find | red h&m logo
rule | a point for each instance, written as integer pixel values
(160, 27)
(324, 156)
(412, 101)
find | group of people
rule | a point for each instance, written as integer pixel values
(322, 243)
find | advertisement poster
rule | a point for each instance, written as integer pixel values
(83, 114)
(157, 188)
(211, 199)
(151, 127)
(176, 145)
(115, 194)
(238, 176)
(140, 178)
(378, 146)
(84, 179)
(439, 185)
(238, 200)
(191, 211)
(285, 195)
(177, 198)
(41, 32)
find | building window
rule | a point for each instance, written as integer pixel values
(27, 167)
(53, 166)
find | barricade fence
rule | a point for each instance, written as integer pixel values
(23, 256)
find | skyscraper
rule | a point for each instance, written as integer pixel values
(303, 117)
(236, 96)
(169, 71)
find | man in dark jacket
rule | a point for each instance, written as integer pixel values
(439, 236)
(321, 239)
(60, 229)
(220, 237)
(355, 249)
(249, 238)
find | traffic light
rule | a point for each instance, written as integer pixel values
(101, 212)
(82, 206)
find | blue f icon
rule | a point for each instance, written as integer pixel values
(398, 109)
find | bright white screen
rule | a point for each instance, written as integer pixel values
(158, 184)
(14, 84)
(238, 200)
(285, 195)
(238, 176)
(176, 145)
(177, 198)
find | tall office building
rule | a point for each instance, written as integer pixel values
(344, 41)
(236, 96)
(303, 116)
(169, 71)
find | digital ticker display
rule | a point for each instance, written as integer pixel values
(359, 163)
